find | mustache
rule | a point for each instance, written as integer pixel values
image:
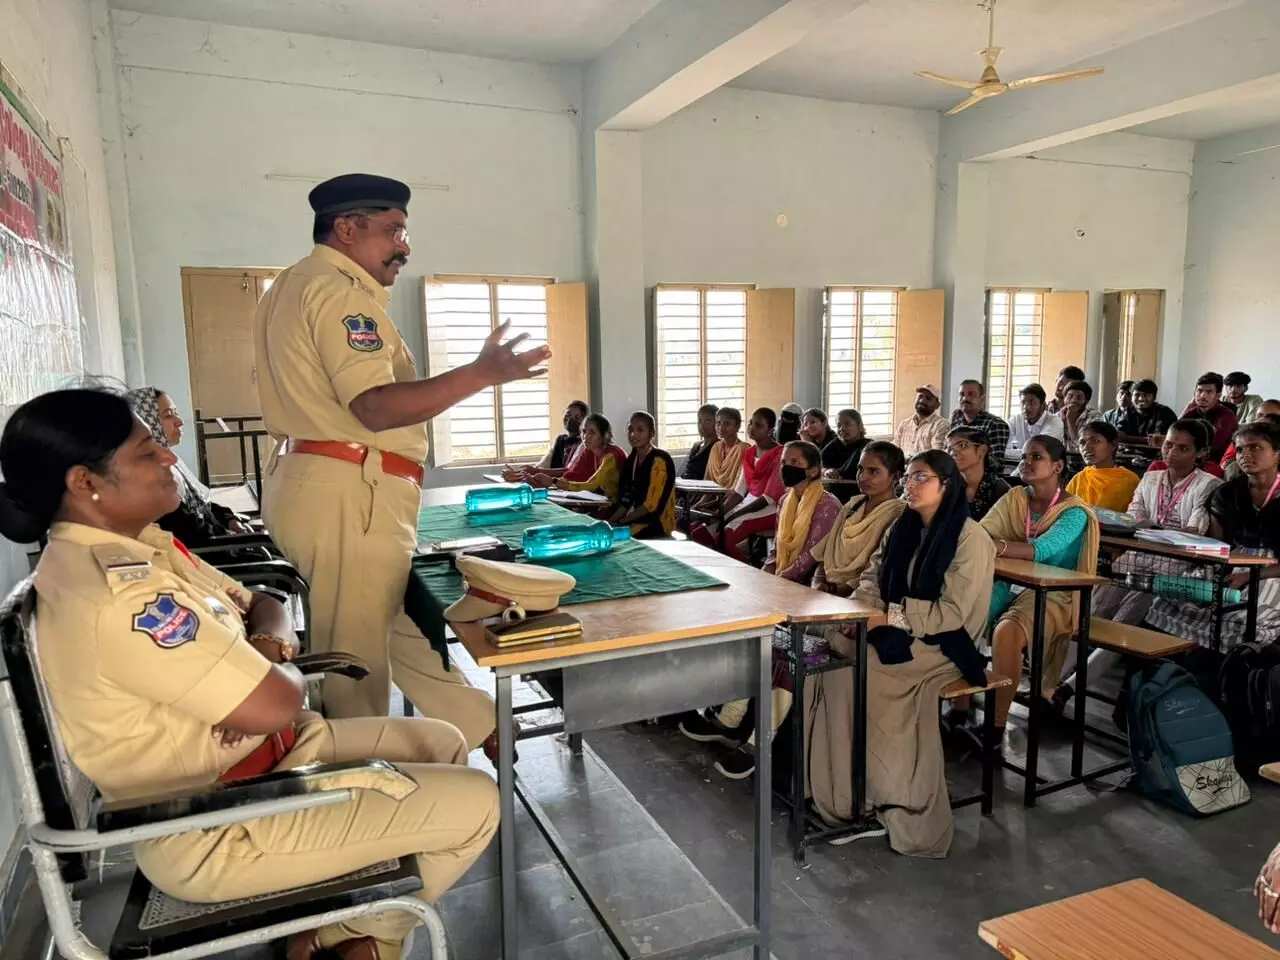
(399, 258)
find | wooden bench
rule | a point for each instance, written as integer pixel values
(960, 687)
(1132, 641)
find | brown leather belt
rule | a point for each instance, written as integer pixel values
(392, 463)
(264, 759)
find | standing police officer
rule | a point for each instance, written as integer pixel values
(341, 397)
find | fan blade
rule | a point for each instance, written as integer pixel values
(1055, 78)
(965, 105)
(951, 81)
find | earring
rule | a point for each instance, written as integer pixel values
(95, 498)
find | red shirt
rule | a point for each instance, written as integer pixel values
(1224, 423)
(762, 472)
(584, 463)
(1208, 467)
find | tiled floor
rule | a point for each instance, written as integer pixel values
(614, 804)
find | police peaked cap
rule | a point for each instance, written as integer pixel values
(359, 191)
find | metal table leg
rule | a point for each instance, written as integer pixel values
(798, 757)
(1033, 716)
(507, 823)
(720, 515)
(1251, 615)
(860, 729)
(763, 794)
(1082, 681)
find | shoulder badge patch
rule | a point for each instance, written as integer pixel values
(362, 333)
(167, 622)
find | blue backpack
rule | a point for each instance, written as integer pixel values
(1180, 743)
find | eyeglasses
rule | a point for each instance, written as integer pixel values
(919, 478)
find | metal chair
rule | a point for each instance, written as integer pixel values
(66, 820)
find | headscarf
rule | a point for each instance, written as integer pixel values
(195, 495)
(848, 548)
(899, 579)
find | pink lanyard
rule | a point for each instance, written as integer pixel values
(1275, 485)
(1163, 509)
(1052, 503)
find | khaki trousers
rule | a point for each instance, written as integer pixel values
(447, 822)
(351, 531)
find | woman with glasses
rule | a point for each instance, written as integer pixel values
(970, 448)
(932, 576)
(1043, 523)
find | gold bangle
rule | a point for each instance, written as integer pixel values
(1004, 545)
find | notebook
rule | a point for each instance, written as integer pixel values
(1186, 541)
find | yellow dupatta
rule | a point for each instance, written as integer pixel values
(724, 464)
(794, 520)
(1110, 488)
(847, 549)
(1008, 521)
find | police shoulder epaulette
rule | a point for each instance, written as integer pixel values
(356, 281)
(119, 566)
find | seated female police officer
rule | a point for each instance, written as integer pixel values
(164, 674)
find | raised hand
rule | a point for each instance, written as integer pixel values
(500, 363)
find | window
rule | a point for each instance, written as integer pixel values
(860, 339)
(510, 422)
(700, 356)
(1014, 326)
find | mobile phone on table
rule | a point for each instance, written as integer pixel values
(465, 543)
(552, 626)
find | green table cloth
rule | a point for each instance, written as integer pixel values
(630, 569)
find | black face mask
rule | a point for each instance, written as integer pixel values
(793, 475)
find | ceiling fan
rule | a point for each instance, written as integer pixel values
(990, 85)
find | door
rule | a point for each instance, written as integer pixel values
(219, 305)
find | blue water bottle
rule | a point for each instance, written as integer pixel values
(503, 496)
(555, 541)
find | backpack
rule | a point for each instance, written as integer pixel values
(1249, 691)
(1180, 744)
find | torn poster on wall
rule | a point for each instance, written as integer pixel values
(41, 329)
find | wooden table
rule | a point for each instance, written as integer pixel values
(1130, 921)
(641, 657)
(1254, 564)
(1042, 580)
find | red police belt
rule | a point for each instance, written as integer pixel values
(264, 759)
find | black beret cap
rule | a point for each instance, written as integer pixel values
(357, 191)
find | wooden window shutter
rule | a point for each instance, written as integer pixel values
(771, 331)
(1062, 333)
(569, 372)
(1113, 344)
(920, 341)
(436, 345)
(1144, 338)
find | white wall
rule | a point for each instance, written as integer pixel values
(1231, 320)
(855, 182)
(1128, 194)
(46, 45)
(211, 112)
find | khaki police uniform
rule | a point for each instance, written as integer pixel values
(143, 650)
(322, 337)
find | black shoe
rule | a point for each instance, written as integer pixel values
(705, 728)
(737, 764)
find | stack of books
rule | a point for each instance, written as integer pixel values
(1186, 541)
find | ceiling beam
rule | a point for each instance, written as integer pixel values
(1209, 61)
(681, 50)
